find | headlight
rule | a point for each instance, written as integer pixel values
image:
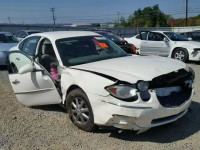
(142, 85)
(123, 92)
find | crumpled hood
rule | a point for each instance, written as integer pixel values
(6, 46)
(134, 68)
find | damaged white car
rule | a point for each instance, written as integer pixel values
(97, 82)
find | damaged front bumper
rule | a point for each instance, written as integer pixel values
(138, 116)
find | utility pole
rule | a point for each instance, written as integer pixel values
(118, 14)
(186, 17)
(9, 20)
(54, 19)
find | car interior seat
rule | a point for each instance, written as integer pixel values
(48, 56)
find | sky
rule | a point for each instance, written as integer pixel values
(86, 11)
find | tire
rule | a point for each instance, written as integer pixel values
(180, 54)
(80, 111)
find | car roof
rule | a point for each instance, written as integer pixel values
(4, 32)
(64, 34)
(30, 30)
(161, 31)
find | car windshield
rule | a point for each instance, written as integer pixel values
(8, 38)
(112, 37)
(81, 50)
(175, 37)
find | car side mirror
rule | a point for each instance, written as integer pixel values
(29, 68)
(190, 39)
(26, 68)
(165, 39)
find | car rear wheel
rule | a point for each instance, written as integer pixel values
(180, 54)
(80, 111)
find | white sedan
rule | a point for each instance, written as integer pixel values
(96, 81)
(167, 44)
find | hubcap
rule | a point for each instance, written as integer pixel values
(180, 55)
(79, 111)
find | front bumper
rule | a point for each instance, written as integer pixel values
(194, 55)
(138, 115)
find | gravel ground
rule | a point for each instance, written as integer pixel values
(48, 127)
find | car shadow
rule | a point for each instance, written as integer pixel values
(3, 68)
(194, 62)
(56, 108)
(181, 129)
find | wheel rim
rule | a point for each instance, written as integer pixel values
(180, 55)
(79, 111)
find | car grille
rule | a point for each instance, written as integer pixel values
(173, 89)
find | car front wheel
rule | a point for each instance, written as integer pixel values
(180, 54)
(80, 111)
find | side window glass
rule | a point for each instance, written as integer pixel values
(21, 45)
(47, 55)
(29, 46)
(155, 37)
(138, 37)
(18, 34)
(17, 61)
(144, 36)
(23, 35)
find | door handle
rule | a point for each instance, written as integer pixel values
(18, 58)
(16, 82)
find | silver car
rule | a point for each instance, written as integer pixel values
(7, 41)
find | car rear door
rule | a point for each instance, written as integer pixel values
(155, 45)
(34, 87)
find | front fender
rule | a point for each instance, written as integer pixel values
(90, 83)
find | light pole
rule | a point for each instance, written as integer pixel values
(186, 15)
(54, 19)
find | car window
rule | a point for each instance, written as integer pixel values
(111, 36)
(155, 36)
(23, 34)
(175, 37)
(29, 45)
(196, 35)
(144, 36)
(19, 34)
(138, 37)
(17, 60)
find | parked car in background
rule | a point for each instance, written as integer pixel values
(97, 82)
(7, 41)
(167, 44)
(24, 33)
(195, 35)
(129, 48)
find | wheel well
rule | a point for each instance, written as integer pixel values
(72, 87)
(176, 49)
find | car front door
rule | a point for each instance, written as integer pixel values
(155, 44)
(31, 86)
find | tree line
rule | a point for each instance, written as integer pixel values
(154, 17)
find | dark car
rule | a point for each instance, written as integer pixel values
(129, 48)
(195, 35)
(24, 33)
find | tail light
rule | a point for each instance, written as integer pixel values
(133, 48)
